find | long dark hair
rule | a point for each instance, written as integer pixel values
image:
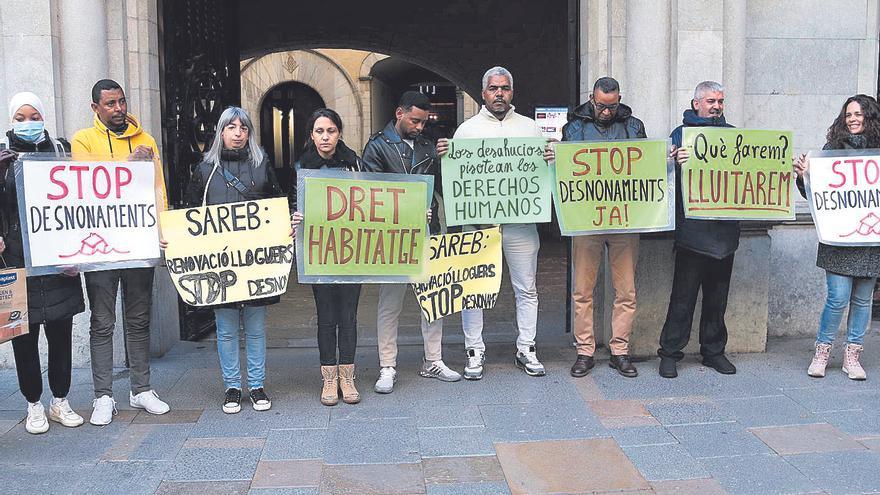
(838, 134)
(317, 114)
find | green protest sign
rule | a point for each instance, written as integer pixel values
(611, 187)
(362, 227)
(737, 174)
(496, 181)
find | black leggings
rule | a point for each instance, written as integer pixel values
(337, 306)
(27, 359)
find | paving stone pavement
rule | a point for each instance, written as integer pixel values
(768, 429)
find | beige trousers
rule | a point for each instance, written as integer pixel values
(390, 304)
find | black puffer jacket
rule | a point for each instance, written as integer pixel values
(260, 181)
(714, 238)
(583, 126)
(386, 152)
(50, 297)
(344, 158)
(852, 261)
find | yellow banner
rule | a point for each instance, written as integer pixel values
(13, 304)
(229, 252)
(464, 272)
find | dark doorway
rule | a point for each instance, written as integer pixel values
(284, 114)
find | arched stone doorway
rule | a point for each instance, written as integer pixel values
(284, 114)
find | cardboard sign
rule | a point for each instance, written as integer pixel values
(614, 187)
(230, 252)
(362, 227)
(737, 174)
(843, 189)
(551, 120)
(496, 181)
(464, 272)
(13, 304)
(94, 215)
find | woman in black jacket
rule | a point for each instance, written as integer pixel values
(53, 300)
(236, 169)
(850, 271)
(336, 303)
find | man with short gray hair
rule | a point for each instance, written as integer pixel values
(519, 242)
(704, 251)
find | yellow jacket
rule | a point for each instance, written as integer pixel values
(100, 143)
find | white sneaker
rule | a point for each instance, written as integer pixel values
(473, 370)
(385, 383)
(36, 422)
(105, 408)
(149, 401)
(528, 362)
(439, 370)
(60, 412)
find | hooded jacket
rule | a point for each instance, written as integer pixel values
(386, 152)
(50, 297)
(714, 238)
(583, 126)
(99, 142)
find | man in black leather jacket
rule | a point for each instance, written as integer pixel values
(400, 148)
(604, 118)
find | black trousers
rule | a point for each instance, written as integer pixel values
(694, 271)
(27, 359)
(337, 306)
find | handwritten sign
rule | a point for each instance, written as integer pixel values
(362, 227)
(843, 189)
(737, 174)
(95, 215)
(230, 252)
(464, 272)
(13, 304)
(608, 187)
(496, 181)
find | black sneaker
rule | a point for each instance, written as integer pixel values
(668, 368)
(232, 401)
(260, 400)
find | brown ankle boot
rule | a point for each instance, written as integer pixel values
(350, 394)
(330, 393)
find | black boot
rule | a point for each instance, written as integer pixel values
(667, 368)
(721, 364)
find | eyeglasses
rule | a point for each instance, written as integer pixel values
(602, 107)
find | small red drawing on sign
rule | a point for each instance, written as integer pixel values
(92, 245)
(869, 225)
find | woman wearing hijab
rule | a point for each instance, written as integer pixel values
(53, 300)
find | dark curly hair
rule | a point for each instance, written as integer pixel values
(838, 133)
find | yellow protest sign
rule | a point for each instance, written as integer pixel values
(229, 252)
(464, 273)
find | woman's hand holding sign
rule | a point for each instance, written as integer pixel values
(295, 220)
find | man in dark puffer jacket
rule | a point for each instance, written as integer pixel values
(604, 118)
(704, 251)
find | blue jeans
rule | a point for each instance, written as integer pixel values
(856, 292)
(228, 324)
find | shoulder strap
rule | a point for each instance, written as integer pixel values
(59, 147)
(233, 181)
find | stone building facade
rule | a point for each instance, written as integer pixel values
(785, 64)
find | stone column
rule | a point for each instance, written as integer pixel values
(734, 61)
(647, 89)
(83, 58)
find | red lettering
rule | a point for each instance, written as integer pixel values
(395, 191)
(586, 165)
(835, 171)
(633, 155)
(120, 181)
(101, 195)
(58, 183)
(374, 203)
(79, 169)
(357, 195)
(331, 192)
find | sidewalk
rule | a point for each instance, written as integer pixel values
(768, 429)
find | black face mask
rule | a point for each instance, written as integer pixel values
(238, 155)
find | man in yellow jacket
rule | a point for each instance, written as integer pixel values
(116, 135)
